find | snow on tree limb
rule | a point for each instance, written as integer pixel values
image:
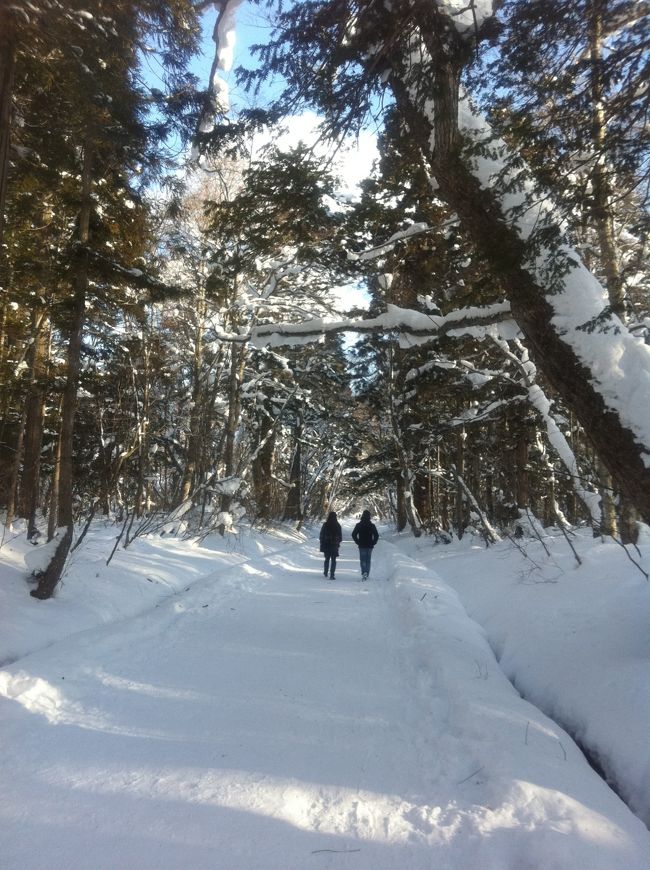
(468, 16)
(386, 247)
(218, 97)
(411, 326)
(618, 361)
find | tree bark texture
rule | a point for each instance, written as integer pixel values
(144, 435)
(14, 474)
(601, 194)
(262, 467)
(401, 519)
(609, 522)
(459, 471)
(237, 363)
(293, 508)
(521, 459)
(194, 438)
(54, 491)
(29, 499)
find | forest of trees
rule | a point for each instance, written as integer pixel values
(172, 354)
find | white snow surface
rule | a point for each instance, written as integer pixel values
(225, 706)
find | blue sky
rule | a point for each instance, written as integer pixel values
(253, 27)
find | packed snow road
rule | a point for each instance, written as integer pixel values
(270, 719)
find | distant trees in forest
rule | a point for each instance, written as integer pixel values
(145, 372)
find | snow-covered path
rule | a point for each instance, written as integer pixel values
(268, 719)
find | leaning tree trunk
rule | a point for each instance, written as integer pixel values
(614, 443)
(482, 216)
(489, 532)
(65, 519)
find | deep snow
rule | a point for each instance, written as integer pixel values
(225, 706)
(575, 640)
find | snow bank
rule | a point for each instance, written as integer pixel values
(574, 640)
(39, 555)
(520, 767)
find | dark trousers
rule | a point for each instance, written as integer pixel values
(364, 558)
(330, 560)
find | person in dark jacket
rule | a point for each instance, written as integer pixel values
(331, 536)
(365, 536)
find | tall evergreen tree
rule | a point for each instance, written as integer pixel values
(86, 145)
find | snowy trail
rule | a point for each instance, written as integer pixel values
(273, 720)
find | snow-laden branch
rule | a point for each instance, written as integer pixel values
(278, 272)
(466, 370)
(218, 97)
(386, 247)
(412, 326)
(492, 411)
(490, 532)
(112, 270)
(618, 361)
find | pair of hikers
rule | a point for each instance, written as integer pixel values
(364, 535)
